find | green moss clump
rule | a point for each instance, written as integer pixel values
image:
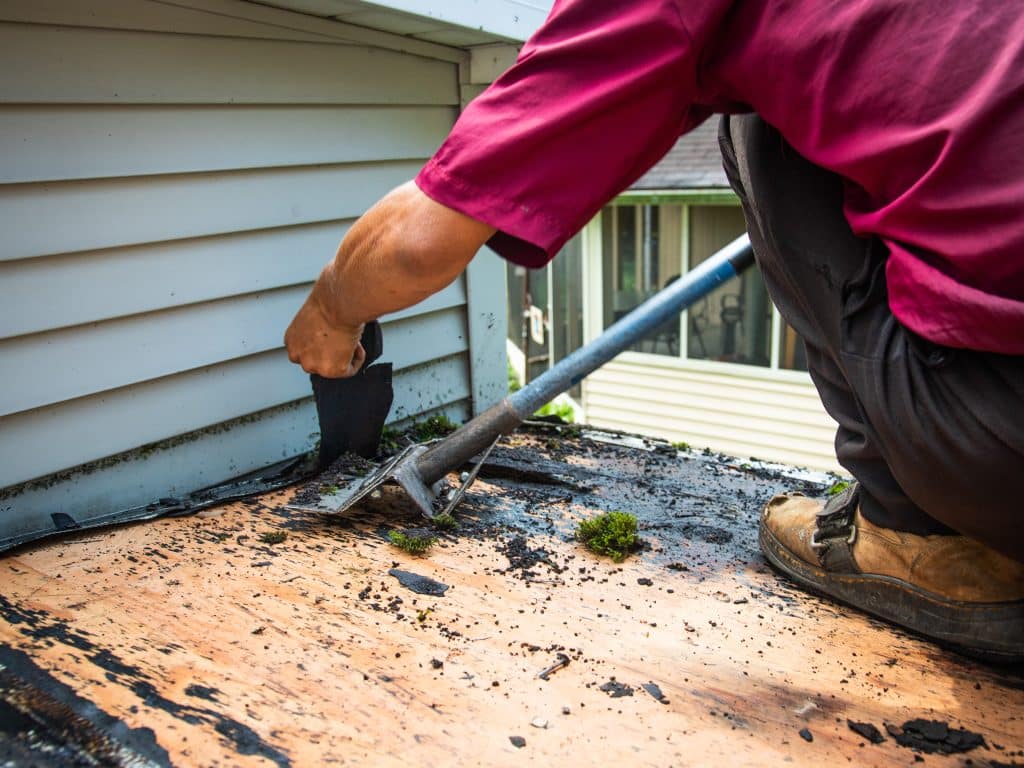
(437, 425)
(681, 445)
(414, 544)
(837, 487)
(327, 490)
(390, 441)
(612, 534)
(446, 522)
(563, 411)
(273, 537)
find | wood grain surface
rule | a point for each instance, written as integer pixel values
(193, 641)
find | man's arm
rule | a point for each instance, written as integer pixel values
(404, 249)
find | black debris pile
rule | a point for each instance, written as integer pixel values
(931, 736)
(616, 689)
(523, 559)
(656, 692)
(421, 585)
(866, 731)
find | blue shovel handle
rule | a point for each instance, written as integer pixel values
(477, 434)
(663, 306)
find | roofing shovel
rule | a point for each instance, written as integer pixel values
(420, 469)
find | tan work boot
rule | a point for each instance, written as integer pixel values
(951, 589)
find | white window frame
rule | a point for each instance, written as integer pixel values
(593, 308)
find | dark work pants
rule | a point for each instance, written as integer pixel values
(935, 436)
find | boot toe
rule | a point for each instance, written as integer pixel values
(790, 519)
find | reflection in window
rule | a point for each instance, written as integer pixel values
(642, 245)
(792, 355)
(644, 248)
(733, 322)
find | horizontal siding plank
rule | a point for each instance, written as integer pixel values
(673, 389)
(196, 461)
(430, 386)
(415, 339)
(55, 218)
(335, 29)
(49, 368)
(79, 65)
(212, 455)
(48, 143)
(143, 16)
(58, 291)
(743, 416)
(40, 442)
(709, 399)
(61, 291)
(751, 377)
(770, 423)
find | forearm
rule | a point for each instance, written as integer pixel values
(404, 249)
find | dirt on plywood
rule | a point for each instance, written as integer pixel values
(193, 640)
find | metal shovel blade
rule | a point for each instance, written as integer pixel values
(401, 469)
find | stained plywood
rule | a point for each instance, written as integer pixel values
(234, 651)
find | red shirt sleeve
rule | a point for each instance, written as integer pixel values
(600, 92)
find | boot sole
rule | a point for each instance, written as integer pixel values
(993, 632)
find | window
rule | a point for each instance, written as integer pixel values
(647, 246)
(733, 322)
(642, 253)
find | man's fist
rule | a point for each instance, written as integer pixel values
(313, 342)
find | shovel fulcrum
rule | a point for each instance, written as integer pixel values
(420, 469)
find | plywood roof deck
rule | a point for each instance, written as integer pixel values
(192, 641)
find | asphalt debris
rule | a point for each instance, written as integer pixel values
(934, 736)
(867, 731)
(656, 692)
(421, 585)
(806, 735)
(616, 689)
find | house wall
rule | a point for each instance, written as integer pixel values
(742, 410)
(741, 413)
(174, 177)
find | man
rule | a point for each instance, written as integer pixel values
(877, 147)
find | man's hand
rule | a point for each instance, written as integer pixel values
(405, 248)
(320, 347)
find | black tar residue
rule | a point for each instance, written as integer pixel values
(43, 626)
(616, 689)
(655, 691)
(866, 730)
(932, 736)
(51, 725)
(421, 585)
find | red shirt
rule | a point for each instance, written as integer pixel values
(917, 105)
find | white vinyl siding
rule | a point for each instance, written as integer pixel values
(173, 180)
(772, 418)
